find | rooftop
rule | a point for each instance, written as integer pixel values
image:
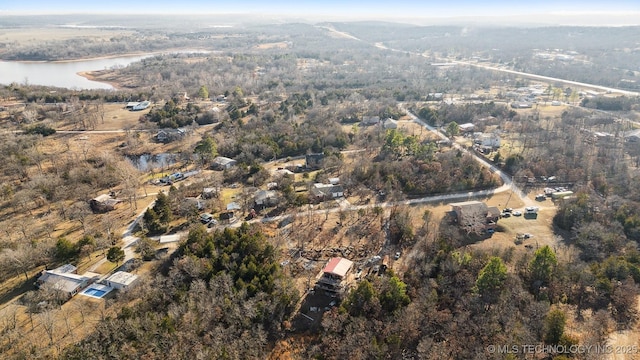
(122, 277)
(338, 267)
(66, 282)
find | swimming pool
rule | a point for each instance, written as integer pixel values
(96, 291)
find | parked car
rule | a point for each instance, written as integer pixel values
(507, 210)
(397, 255)
(505, 214)
(212, 223)
(517, 213)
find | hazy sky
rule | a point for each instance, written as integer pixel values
(627, 9)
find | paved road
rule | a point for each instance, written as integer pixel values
(548, 78)
(507, 182)
(128, 240)
(494, 68)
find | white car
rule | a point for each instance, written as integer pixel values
(517, 213)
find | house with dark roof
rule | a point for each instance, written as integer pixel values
(475, 215)
(314, 161)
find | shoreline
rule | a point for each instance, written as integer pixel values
(89, 76)
(112, 56)
(83, 59)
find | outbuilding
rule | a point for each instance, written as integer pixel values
(121, 280)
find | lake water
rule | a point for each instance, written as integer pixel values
(61, 74)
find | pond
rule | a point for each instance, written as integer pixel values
(149, 162)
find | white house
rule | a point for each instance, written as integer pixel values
(121, 280)
(327, 191)
(491, 140)
(63, 279)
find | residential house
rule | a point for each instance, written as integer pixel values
(466, 127)
(323, 192)
(169, 135)
(390, 124)
(121, 280)
(103, 203)
(632, 136)
(266, 198)
(223, 163)
(476, 215)
(487, 140)
(210, 192)
(233, 206)
(63, 279)
(141, 106)
(314, 161)
(192, 203)
(370, 120)
(334, 275)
